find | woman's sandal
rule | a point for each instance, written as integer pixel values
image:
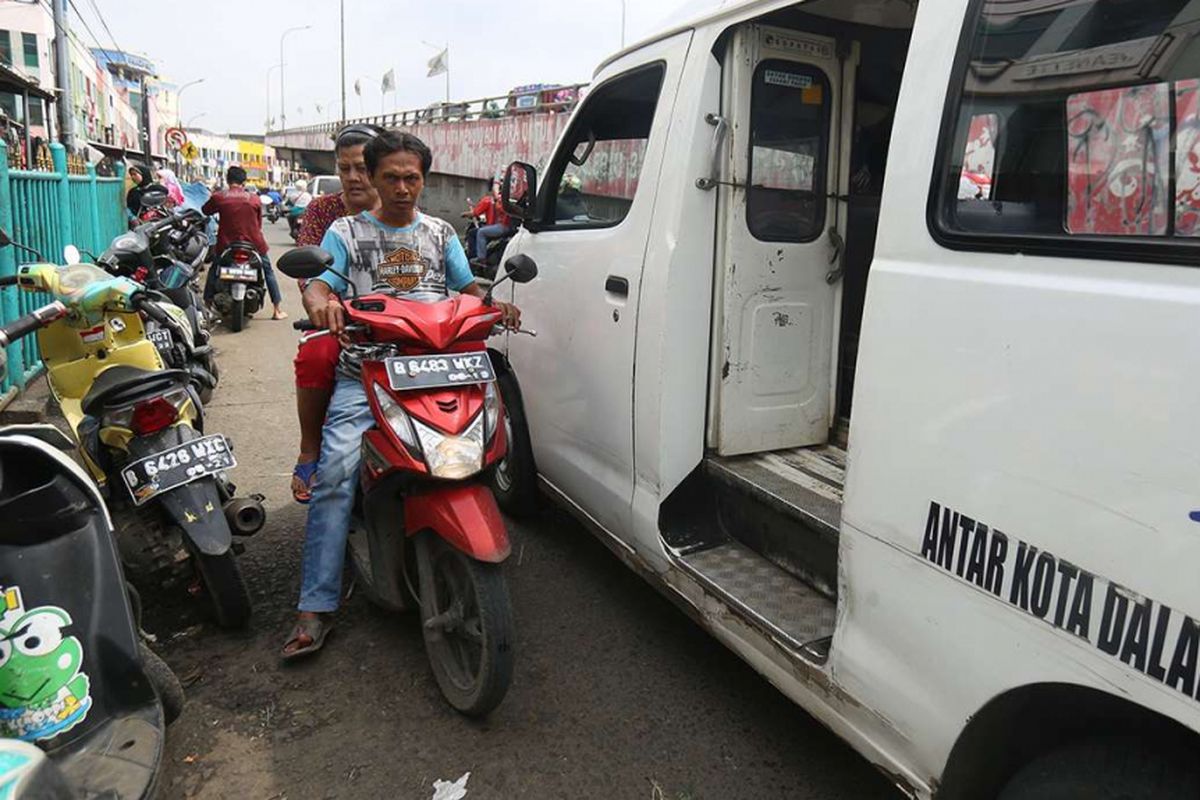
(303, 475)
(315, 629)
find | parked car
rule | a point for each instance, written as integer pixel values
(923, 460)
(325, 184)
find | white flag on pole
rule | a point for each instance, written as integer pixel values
(358, 87)
(439, 63)
(389, 82)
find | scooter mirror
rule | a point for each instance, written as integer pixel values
(304, 263)
(4, 240)
(521, 268)
(71, 255)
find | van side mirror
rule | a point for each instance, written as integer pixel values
(304, 263)
(521, 268)
(518, 192)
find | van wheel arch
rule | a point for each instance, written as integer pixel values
(1015, 727)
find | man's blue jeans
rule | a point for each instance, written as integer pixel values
(332, 501)
(483, 234)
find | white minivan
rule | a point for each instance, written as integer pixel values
(869, 332)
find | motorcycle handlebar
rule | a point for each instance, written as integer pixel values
(8, 280)
(39, 317)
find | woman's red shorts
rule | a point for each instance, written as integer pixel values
(316, 362)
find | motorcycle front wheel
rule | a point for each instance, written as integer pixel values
(467, 625)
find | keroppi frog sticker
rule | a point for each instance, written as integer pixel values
(42, 691)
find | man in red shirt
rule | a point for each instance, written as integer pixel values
(240, 220)
(497, 221)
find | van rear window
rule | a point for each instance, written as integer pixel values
(1073, 121)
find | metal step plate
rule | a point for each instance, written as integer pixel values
(804, 483)
(762, 591)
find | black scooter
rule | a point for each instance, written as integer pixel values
(75, 677)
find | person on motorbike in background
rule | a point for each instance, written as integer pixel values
(363, 247)
(498, 224)
(316, 358)
(298, 206)
(140, 177)
(240, 221)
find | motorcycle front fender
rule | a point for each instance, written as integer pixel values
(195, 507)
(464, 515)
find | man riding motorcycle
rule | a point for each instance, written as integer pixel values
(376, 249)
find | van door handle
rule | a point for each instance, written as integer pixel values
(614, 284)
(714, 171)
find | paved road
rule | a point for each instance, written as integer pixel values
(616, 693)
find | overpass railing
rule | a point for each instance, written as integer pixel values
(542, 100)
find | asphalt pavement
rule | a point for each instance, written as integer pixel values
(616, 694)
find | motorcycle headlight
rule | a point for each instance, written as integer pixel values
(452, 457)
(491, 410)
(396, 417)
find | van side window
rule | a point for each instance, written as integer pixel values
(789, 121)
(594, 176)
(1060, 125)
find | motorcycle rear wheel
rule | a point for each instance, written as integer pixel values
(237, 314)
(467, 626)
(225, 587)
(165, 682)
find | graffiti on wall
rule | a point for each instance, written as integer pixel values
(1187, 158)
(979, 158)
(1118, 164)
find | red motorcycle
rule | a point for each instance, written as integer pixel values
(426, 526)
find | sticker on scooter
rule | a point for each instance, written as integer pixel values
(42, 691)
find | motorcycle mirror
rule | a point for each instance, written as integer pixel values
(306, 263)
(4, 240)
(521, 268)
(71, 255)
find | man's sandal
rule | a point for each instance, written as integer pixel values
(315, 629)
(303, 475)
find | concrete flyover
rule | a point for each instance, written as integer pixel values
(470, 141)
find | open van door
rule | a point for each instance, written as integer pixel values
(780, 240)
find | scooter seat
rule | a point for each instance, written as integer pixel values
(121, 385)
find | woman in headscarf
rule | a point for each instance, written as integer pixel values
(174, 191)
(140, 178)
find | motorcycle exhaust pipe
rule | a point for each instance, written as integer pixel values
(245, 515)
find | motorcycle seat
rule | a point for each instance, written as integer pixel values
(122, 385)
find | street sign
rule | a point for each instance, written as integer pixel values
(189, 151)
(176, 138)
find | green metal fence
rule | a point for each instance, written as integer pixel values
(47, 211)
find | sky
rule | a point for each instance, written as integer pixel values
(494, 46)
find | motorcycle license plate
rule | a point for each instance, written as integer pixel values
(166, 470)
(236, 272)
(432, 371)
(162, 339)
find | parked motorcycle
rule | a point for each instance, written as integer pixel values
(241, 284)
(75, 677)
(184, 342)
(427, 525)
(139, 431)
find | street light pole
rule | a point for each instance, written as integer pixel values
(179, 99)
(282, 98)
(622, 24)
(343, 15)
(269, 70)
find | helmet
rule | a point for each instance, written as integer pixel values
(302, 185)
(571, 182)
